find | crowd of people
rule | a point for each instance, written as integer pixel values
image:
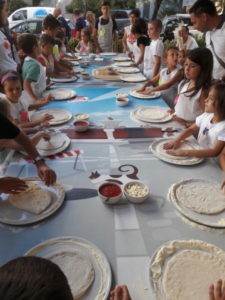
(190, 78)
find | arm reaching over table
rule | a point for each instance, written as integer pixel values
(10, 131)
(12, 185)
(217, 293)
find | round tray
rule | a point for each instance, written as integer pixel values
(11, 215)
(102, 283)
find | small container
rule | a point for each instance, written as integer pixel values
(121, 95)
(81, 125)
(81, 116)
(122, 101)
(110, 192)
(136, 191)
(85, 75)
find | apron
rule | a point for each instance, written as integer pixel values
(130, 38)
(39, 86)
(137, 53)
(105, 36)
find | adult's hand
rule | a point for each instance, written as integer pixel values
(45, 173)
(12, 185)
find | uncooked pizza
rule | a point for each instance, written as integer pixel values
(34, 200)
(55, 142)
(78, 269)
(189, 273)
(203, 197)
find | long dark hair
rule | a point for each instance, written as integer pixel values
(203, 57)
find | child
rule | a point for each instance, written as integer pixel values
(139, 30)
(210, 125)
(12, 88)
(26, 278)
(50, 26)
(153, 52)
(193, 90)
(46, 57)
(33, 73)
(11, 143)
(84, 46)
(128, 37)
(168, 78)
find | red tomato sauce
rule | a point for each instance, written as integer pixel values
(80, 123)
(110, 190)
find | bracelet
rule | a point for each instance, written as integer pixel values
(37, 159)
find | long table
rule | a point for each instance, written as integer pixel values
(128, 234)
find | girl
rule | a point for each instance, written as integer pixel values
(128, 38)
(168, 78)
(139, 30)
(12, 88)
(193, 90)
(211, 127)
(84, 46)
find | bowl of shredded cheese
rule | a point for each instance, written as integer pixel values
(136, 191)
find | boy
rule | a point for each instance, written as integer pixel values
(153, 52)
(34, 75)
(105, 31)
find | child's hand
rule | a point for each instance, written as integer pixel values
(171, 145)
(170, 111)
(142, 89)
(147, 92)
(218, 293)
(178, 152)
(46, 118)
(179, 120)
(120, 293)
(46, 136)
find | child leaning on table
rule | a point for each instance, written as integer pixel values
(11, 143)
(34, 75)
(11, 86)
(210, 125)
(193, 90)
(167, 79)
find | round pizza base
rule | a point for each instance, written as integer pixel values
(151, 113)
(189, 273)
(55, 142)
(78, 270)
(153, 95)
(202, 197)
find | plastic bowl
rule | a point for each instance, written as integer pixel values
(122, 101)
(81, 125)
(121, 95)
(110, 192)
(136, 191)
(85, 75)
(81, 116)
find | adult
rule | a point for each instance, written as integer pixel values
(105, 32)
(185, 41)
(205, 18)
(13, 185)
(7, 53)
(90, 21)
(128, 37)
(58, 15)
(79, 22)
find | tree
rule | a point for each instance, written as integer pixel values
(16, 4)
(84, 5)
(156, 9)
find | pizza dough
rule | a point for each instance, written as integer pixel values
(55, 142)
(202, 197)
(34, 199)
(189, 273)
(78, 270)
(152, 113)
(183, 146)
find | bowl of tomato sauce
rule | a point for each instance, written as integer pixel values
(110, 192)
(81, 125)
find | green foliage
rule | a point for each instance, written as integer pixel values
(84, 5)
(72, 43)
(168, 43)
(120, 46)
(200, 40)
(16, 4)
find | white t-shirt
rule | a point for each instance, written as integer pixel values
(17, 109)
(169, 94)
(190, 43)
(6, 58)
(154, 49)
(209, 132)
(218, 38)
(130, 38)
(187, 107)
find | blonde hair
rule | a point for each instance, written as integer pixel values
(4, 106)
